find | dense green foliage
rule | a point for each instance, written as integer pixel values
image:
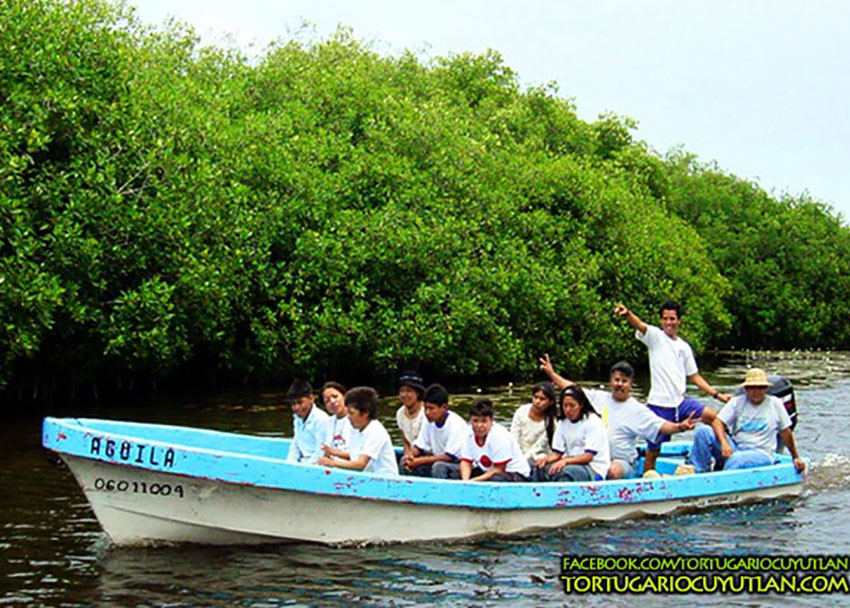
(327, 210)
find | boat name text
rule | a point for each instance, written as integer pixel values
(127, 451)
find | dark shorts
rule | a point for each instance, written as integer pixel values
(687, 407)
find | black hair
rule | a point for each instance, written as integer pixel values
(299, 389)
(436, 394)
(552, 412)
(334, 385)
(574, 391)
(363, 398)
(624, 367)
(671, 305)
(481, 406)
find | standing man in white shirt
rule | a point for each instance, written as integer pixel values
(310, 424)
(671, 366)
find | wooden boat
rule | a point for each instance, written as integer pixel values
(150, 483)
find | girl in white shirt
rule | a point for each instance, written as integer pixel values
(339, 427)
(533, 424)
(580, 449)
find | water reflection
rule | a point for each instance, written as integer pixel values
(318, 576)
(519, 571)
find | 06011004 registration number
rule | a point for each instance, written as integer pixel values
(138, 487)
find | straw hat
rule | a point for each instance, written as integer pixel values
(756, 378)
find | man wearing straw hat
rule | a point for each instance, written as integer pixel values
(743, 435)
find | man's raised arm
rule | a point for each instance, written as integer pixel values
(634, 320)
(546, 368)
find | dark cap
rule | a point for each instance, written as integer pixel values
(413, 380)
(436, 394)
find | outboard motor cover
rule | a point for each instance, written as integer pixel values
(781, 387)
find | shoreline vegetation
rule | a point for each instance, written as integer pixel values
(179, 214)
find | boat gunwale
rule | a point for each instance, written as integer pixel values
(407, 489)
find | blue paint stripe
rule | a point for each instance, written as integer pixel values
(260, 461)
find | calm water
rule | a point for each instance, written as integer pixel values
(54, 554)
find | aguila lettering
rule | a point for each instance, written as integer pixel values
(126, 451)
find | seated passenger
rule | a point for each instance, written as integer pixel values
(441, 438)
(624, 416)
(490, 453)
(370, 447)
(580, 448)
(533, 424)
(752, 420)
(339, 427)
(310, 424)
(411, 415)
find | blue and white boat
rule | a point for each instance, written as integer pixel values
(150, 483)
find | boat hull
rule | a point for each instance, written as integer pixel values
(150, 484)
(210, 512)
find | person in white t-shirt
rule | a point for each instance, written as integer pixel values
(411, 415)
(339, 427)
(441, 437)
(370, 447)
(626, 419)
(489, 453)
(533, 424)
(580, 449)
(671, 365)
(309, 424)
(744, 433)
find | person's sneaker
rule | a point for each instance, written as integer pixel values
(651, 473)
(684, 469)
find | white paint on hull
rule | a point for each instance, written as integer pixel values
(211, 512)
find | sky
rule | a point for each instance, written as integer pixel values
(759, 86)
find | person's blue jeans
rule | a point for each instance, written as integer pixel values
(445, 470)
(707, 447)
(451, 470)
(572, 472)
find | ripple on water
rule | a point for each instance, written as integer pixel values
(832, 472)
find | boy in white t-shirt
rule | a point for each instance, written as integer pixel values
(580, 449)
(309, 424)
(370, 447)
(490, 452)
(441, 437)
(671, 365)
